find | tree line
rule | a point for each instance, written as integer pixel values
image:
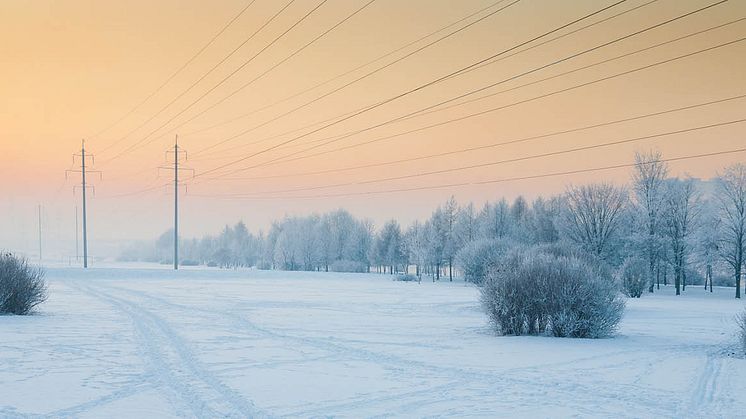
(682, 230)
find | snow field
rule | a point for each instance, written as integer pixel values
(148, 342)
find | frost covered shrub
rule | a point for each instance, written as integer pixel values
(21, 287)
(534, 292)
(348, 266)
(477, 257)
(406, 278)
(633, 277)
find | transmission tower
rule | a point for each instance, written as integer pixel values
(84, 170)
(177, 153)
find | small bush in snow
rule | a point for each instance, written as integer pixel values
(348, 266)
(533, 292)
(741, 319)
(633, 277)
(21, 287)
(476, 258)
(406, 278)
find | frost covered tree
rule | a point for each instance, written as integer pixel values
(451, 243)
(494, 220)
(389, 247)
(592, 216)
(681, 212)
(467, 228)
(437, 236)
(732, 197)
(707, 242)
(543, 222)
(648, 186)
(415, 242)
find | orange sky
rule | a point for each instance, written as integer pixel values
(70, 68)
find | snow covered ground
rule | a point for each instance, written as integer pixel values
(115, 342)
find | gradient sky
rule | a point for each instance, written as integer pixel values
(71, 68)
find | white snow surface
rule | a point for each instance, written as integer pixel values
(147, 342)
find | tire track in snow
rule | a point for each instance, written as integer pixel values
(703, 394)
(174, 366)
(651, 398)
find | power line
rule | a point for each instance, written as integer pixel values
(336, 138)
(416, 89)
(177, 72)
(250, 82)
(358, 79)
(496, 144)
(514, 160)
(348, 72)
(480, 113)
(475, 68)
(188, 89)
(485, 182)
(144, 141)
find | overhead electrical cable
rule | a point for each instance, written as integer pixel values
(494, 144)
(348, 72)
(364, 76)
(195, 83)
(144, 141)
(279, 63)
(231, 149)
(176, 73)
(478, 113)
(513, 160)
(408, 92)
(472, 183)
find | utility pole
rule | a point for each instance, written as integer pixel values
(84, 187)
(40, 255)
(177, 155)
(176, 203)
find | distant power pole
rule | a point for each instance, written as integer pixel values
(84, 187)
(40, 255)
(177, 155)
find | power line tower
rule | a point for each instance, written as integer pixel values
(84, 170)
(177, 154)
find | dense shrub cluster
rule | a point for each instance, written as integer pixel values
(633, 277)
(22, 287)
(534, 291)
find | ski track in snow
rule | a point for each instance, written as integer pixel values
(174, 366)
(313, 341)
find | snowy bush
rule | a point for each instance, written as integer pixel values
(406, 278)
(21, 287)
(476, 258)
(534, 292)
(633, 277)
(348, 266)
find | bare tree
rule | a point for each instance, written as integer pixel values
(593, 215)
(732, 196)
(647, 184)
